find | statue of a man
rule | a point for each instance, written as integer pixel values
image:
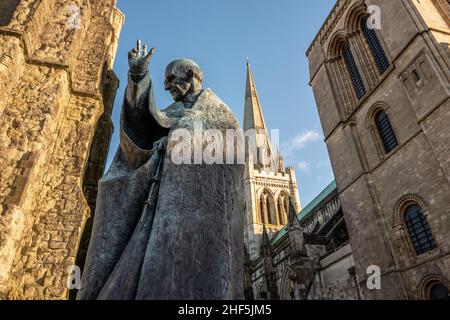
(163, 230)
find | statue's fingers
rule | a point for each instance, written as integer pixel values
(133, 54)
(139, 45)
(145, 49)
(150, 54)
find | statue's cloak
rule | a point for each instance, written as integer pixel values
(190, 245)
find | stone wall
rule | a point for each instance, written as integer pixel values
(51, 62)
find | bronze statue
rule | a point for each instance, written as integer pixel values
(163, 230)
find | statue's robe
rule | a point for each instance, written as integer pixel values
(191, 247)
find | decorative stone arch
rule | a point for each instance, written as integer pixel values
(371, 53)
(7, 9)
(400, 226)
(354, 15)
(427, 283)
(334, 46)
(405, 201)
(287, 288)
(267, 208)
(363, 56)
(339, 74)
(282, 201)
(371, 125)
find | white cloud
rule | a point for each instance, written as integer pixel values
(300, 141)
(304, 166)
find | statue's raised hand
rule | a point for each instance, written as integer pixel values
(139, 59)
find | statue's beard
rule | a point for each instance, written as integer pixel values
(178, 92)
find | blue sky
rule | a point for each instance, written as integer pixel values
(219, 35)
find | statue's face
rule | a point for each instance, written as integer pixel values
(178, 84)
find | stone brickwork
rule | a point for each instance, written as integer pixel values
(53, 54)
(375, 185)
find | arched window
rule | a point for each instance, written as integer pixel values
(375, 46)
(7, 8)
(269, 213)
(439, 292)
(280, 211)
(286, 205)
(261, 211)
(419, 230)
(386, 132)
(352, 68)
(283, 207)
(268, 208)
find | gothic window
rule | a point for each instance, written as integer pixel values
(280, 212)
(286, 204)
(283, 208)
(352, 68)
(269, 215)
(268, 208)
(386, 132)
(375, 47)
(7, 8)
(419, 230)
(262, 211)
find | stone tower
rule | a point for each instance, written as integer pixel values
(381, 79)
(57, 90)
(268, 184)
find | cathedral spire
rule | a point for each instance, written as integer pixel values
(254, 119)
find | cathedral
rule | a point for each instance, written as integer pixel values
(285, 243)
(380, 74)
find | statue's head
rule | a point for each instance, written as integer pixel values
(183, 78)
